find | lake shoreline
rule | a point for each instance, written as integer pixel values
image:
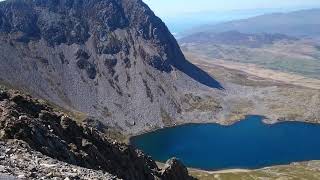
(264, 120)
(264, 136)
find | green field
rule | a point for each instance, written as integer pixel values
(298, 57)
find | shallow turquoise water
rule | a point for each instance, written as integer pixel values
(247, 144)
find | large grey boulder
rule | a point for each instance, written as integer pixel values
(174, 169)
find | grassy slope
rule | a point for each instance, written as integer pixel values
(297, 171)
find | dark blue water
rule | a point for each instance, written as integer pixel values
(247, 144)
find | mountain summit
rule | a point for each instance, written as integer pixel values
(113, 60)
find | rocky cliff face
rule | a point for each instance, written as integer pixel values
(52, 133)
(111, 59)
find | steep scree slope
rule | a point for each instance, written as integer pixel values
(111, 59)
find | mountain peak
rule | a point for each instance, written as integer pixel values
(106, 58)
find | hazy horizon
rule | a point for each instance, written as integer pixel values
(197, 13)
(171, 8)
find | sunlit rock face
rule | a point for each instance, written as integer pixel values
(113, 60)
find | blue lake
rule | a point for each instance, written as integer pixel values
(248, 144)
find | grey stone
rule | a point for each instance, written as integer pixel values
(2, 168)
(174, 169)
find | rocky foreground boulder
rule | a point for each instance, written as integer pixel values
(19, 161)
(30, 130)
(174, 169)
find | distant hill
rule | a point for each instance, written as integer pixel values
(303, 23)
(236, 38)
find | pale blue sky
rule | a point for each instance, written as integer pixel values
(167, 8)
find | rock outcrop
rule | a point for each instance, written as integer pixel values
(52, 133)
(111, 59)
(174, 169)
(19, 161)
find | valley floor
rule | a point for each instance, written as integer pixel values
(250, 90)
(276, 95)
(252, 69)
